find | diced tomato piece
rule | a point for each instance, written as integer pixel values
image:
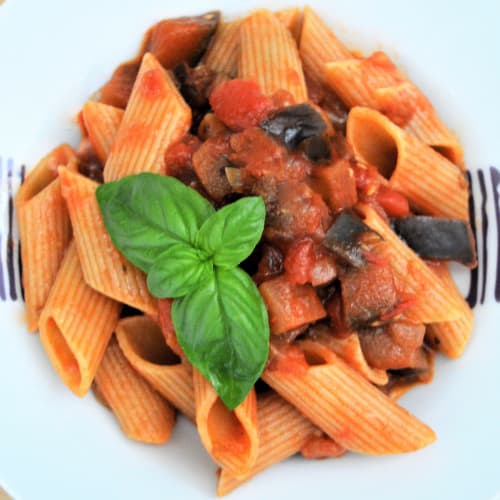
(240, 104)
(305, 262)
(337, 184)
(263, 157)
(299, 261)
(394, 203)
(290, 306)
(368, 179)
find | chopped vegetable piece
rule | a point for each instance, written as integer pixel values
(317, 149)
(436, 238)
(270, 264)
(394, 346)
(344, 235)
(295, 212)
(209, 163)
(394, 203)
(240, 104)
(211, 126)
(290, 306)
(178, 161)
(171, 41)
(307, 262)
(294, 124)
(194, 87)
(335, 312)
(337, 185)
(261, 156)
(368, 292)
(183, 39)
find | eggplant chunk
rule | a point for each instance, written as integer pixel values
(436, 238)
(343, 238)
(317, 149)
(395, 346)
(171, 41)
(293, 124)
(368, 293)
(209, 163)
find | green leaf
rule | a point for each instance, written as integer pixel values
(146, 213)
(223, 329)
(178, 271)
(231, 234)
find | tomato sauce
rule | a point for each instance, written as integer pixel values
(240, 104)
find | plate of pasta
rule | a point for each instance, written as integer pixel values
(249, 252)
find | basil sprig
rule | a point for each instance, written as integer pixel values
(190, 252)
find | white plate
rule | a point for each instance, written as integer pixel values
(53, 55)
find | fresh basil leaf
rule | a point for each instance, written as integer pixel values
(145, 213)
(178, 271)
(223, 329)
(230, 235)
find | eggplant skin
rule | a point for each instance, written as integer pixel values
(343, 236)
(293, 124)
(436, 238)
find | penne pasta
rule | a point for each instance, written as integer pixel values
(349, 349)
(451, 337)
(156, 116)
(222, 55)
(432, 302)
(283, 430)
(292, 19)
(432, 184)
(104, 268)
(375, 82)
(356, 81)
(343, 404)
(76, 325)
(143, 344)
(101, 122)
(44, 229)
(318, 46)
(269, 55)
(230, 437)
(142, 413)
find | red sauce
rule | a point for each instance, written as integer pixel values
(299, 261)
(394, 203)
(306, 262)
(178, 156)
(382, 61)
(240, 104)
(262, 156)
(152, 85)
(321, 447)
(136, 134)
(289, 360)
